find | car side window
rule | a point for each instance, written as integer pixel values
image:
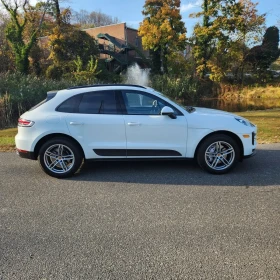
(99, 102)
(70, 105)
(141, 103)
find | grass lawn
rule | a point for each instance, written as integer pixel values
(7, 139)
(268, 123)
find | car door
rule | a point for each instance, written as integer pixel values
(97, 123)
(148, 133)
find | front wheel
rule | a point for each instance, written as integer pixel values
(60, 157)
(218, 154)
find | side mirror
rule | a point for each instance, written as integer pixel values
(167, 111)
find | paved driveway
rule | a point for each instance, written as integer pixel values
(141, 220)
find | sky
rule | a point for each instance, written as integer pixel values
(129, 11)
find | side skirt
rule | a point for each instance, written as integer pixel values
(136, 153)
(139, 159)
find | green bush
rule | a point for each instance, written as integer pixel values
(54, 72)
(105, 75)
(183, 89)
(18, 93)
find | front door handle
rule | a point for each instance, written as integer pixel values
(134, 124)
(76, 123)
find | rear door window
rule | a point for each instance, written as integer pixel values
(99, 102)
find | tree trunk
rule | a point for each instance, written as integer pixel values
(156, 61)
(22, 62)
(164, 60)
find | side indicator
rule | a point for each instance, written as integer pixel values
(246, 135)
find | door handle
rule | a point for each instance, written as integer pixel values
(134, 124)
(76, 123)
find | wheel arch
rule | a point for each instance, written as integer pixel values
(225, 132)
(51, 136)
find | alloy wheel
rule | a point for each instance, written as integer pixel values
(219, 155)
(59, 158)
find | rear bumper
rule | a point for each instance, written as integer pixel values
(25, 154)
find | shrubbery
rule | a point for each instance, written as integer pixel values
(184, 89)
(18, 93)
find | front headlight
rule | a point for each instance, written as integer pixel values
(242, 121)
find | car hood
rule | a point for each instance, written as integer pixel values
(207, 111)
(215, 120)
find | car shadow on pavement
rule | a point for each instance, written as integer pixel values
(261, 170)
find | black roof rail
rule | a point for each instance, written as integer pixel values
(106, 85)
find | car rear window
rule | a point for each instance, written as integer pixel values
(70, 105)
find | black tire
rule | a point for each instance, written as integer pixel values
(60, 157)
(218, 154)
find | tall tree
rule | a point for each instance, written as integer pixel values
(263, 55)
(219, 23)
(6, 62)
(67, 43)
(250, 28)
(162, 30)
(21, 45)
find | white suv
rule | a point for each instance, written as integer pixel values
(108, 122)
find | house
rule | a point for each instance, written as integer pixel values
(119, 46)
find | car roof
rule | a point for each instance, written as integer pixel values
(88, 88)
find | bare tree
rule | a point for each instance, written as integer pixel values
(85, 19)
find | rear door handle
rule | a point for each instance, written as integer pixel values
(76, 123)
(134, 124)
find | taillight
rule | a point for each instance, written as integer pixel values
(25, 123)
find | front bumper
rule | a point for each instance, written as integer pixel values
(249, 142)
(254, 151)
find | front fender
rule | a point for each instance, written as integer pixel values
(195, 135)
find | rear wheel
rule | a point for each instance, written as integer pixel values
(218, 154)
(60, 157)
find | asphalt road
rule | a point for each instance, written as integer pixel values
(141, 220)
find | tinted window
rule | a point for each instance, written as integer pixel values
(99, 102)
(140, 103)
(70, 105)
